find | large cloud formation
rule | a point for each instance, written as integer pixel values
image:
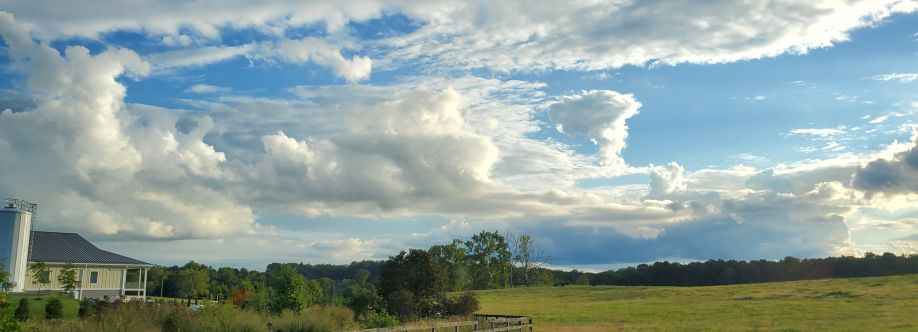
(457, 147)
(98, 166)
(897, 175)
(599, 115)
(506, 35)
(511, 35)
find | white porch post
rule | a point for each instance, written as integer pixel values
(146, 271)
(80, 292)
(123, 279)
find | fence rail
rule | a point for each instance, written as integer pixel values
(431, 327)
(482, 323)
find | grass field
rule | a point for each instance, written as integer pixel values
(37, 307)
(861, 304)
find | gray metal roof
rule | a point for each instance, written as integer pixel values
(53, 247)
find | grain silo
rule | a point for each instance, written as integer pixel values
(15, 230)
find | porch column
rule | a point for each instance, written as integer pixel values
(123, 279)
(145, 272)
(80, 292)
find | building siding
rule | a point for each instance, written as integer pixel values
(109, 277)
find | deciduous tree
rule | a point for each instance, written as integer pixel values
(68, 279)
(40, 272)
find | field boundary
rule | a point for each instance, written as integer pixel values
(482, 323)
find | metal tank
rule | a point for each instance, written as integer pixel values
(15, 233)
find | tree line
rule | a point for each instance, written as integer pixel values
(726, 272)
(416, 282)
(411, 284)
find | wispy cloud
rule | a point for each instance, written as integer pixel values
(819, 132)
(896, 77)
(206, 89)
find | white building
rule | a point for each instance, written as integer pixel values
(100, 273)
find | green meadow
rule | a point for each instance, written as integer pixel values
(858, 304)
(37, 306)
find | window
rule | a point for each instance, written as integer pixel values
(93, 277)
(47, 274)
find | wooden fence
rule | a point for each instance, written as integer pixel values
(482, 323)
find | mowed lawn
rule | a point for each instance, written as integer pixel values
(860, 304)
(37, 307)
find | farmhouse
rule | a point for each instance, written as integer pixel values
(100, 273)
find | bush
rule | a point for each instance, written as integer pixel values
(402, 304)
(224, 317)
(463, 305)
(379, 319)
(87, 308)
(316, 319)
(22, 311)
(363, 301)
(211, 317)
(54, 309)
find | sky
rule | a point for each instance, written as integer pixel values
(241, 133)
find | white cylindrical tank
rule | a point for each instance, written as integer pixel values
(15, 233)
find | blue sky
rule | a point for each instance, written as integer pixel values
(615, 133)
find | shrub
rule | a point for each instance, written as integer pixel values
(22, 311)
(363, 301)
(379, 319)
(402, 304)
(463, 305)
(54, 309)
(139, 316)
(87, 308)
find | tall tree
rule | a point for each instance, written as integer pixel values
(293, 291)
(489, 257)
(410, 282)
(40, 272)
(414, 271)
(5, 283)
(193, 280)
(68, 279)
(455, 264)
(526, 255)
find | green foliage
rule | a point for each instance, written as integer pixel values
(361, 276)
(544, 277)
(452, 259)
(377, 319)
(8, 324)
(87, 308)
(463, 305)
(39, 272)
(414, 271)
(54, 309)
(489, 259)
(724, 272)
(22, 310)
(403, 304)
(68, 278)
(363, 299)
(212, 317)
(193, 281)
(327, 318)
(8, 321)
(5, 284)
(292, 290)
